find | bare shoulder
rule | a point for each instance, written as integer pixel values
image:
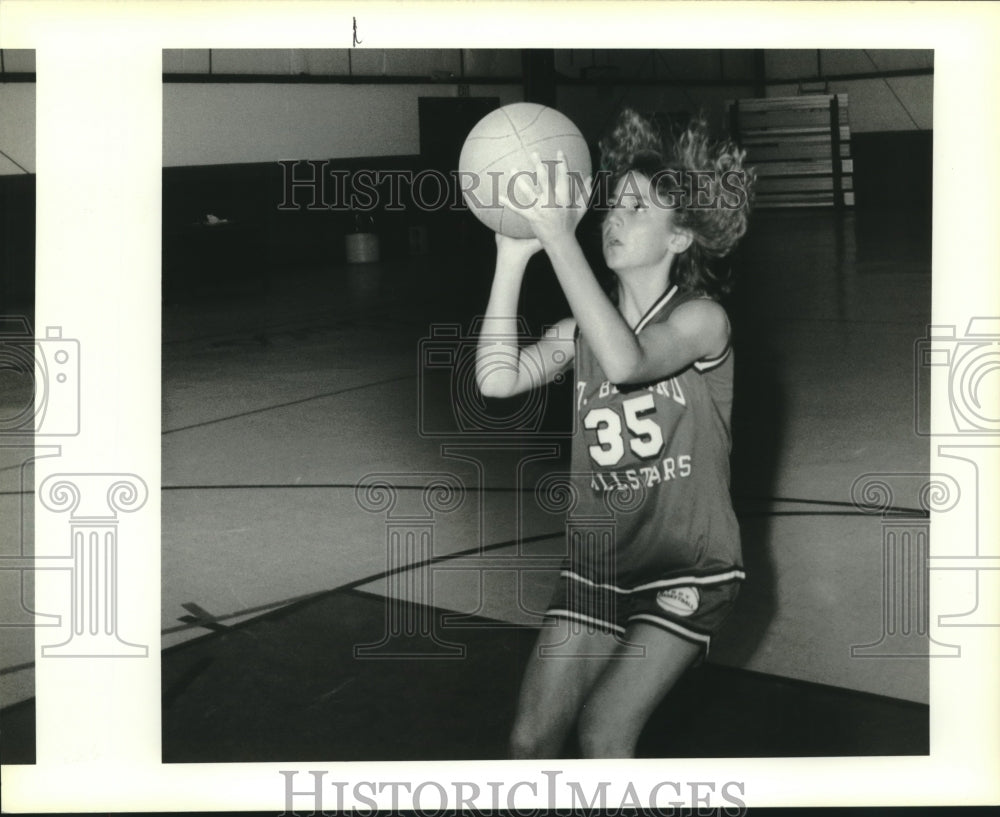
(701, 311)
(704, 322)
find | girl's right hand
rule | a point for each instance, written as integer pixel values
(517, 249)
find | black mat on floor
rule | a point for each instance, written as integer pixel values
(17, 733)
(288, 687)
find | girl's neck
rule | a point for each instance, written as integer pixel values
(638, 292)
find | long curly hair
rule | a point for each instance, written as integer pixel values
(705, 182)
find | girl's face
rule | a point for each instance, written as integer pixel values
(638, 232)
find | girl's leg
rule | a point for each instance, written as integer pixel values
(628, 691)
(563, 667)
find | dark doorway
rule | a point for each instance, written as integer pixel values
(444, 124)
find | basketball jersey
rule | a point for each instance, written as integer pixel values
(651, 467)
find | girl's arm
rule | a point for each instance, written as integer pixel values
(695, 331)
(503, 368)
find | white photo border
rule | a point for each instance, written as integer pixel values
(99, 197)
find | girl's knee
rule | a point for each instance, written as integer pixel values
(600, 738)
(537, 738)
(522, 744)
(527, 741)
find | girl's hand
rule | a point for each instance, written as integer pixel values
(554, 205)
(517, 249)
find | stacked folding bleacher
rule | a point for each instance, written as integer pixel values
(801, 148)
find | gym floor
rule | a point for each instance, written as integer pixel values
(305, 414)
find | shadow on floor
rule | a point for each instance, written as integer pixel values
(286, 686)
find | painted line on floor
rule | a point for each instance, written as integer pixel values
(289, 403)
(200, 617)
(383, 574)
(863, 509)
(307, 322)
(332, 486)
(859, 510)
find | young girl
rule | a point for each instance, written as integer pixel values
(653, 369)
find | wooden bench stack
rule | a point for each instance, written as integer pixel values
(800, 147)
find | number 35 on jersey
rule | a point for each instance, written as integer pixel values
(640, 432)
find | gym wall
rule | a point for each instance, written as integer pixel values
(17, 128)
(17, 180)
(340, 117)
(213, 124)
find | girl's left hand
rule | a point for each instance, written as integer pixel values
(554, 205)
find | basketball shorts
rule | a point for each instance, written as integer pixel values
(691, 608)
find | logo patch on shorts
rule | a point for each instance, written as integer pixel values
(681, 601)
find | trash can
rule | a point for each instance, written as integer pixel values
(362, 246)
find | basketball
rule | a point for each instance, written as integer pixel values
(502, 142)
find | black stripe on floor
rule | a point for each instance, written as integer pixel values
(288, 686)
